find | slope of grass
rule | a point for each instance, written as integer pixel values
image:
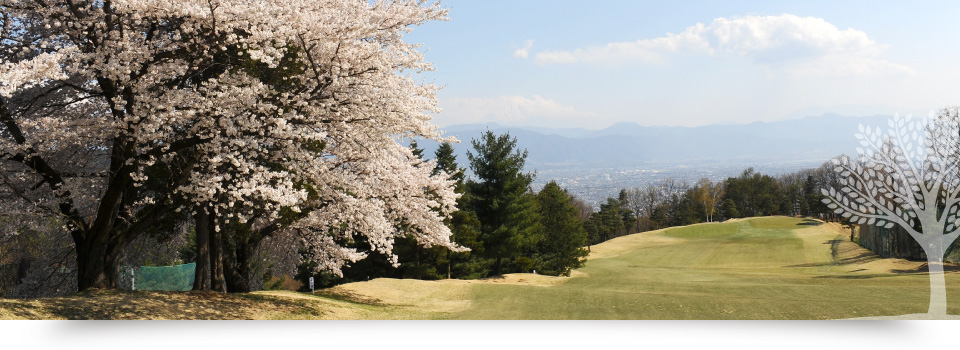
(760, 268)
(763, 268)
(703, 230)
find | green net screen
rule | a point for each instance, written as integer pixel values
(170, 278)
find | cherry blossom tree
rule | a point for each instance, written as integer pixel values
(279, 115)
(907, 177)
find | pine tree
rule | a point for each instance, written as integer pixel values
(564, 237)
(463, 223)
(730, 210)
(417, 151)
(447, 162)
(499, 197)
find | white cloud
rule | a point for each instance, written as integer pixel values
(645, 50)
(512, 110)
(524, 51)
(796, 45)
(846, 66)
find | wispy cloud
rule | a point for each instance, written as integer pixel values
(795, 45)
(512, 110)
(524, 51)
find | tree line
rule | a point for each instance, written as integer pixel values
(510, 228)
(507, 227)
(671, 202)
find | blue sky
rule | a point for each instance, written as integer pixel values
(593, 64)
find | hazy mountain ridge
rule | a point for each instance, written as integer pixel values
(631, 145)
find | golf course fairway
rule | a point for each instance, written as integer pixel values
(759, 268)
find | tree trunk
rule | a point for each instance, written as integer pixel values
(201, 280)
(97, 263)
(240, 265)
(418, 273)
(23, 267)
(217, 283)
(499, 271)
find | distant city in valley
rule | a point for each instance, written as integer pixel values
(595, 185)
(596, 164)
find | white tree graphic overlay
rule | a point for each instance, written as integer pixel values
(907, 178)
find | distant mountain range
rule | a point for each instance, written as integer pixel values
(810, 139)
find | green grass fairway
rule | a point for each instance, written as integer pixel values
(761, 268)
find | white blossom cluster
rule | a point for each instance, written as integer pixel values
(267, 109)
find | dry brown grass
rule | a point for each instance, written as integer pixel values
(416, 299)
(626, 244)
(853, 255)
(377, 299)
(144, 305)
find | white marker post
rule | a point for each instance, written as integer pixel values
(311, 285)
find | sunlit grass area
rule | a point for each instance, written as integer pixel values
(763, 268)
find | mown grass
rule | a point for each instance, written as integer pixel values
(703, 231)
(763, 268)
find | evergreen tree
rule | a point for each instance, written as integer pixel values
(562, 246)
(730, 209)
(499, 197)
(463, 223)
(466, 232)
(607, 223)
(813, 198)
(629, 221)
(417, 151)
(687, 209)
(754, 194)
(447, 162)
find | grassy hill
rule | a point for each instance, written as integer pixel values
(762, 268)
(759, 268)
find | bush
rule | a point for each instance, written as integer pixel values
(284, 282)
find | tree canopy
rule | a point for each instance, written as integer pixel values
(283, 117)
(500, 197)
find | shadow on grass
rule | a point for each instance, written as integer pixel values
(350, 297)
(810, 222)
(857, 277)
(924, 269)
(125, 305)
(139, 305)
(823, 264)
(861, 257)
